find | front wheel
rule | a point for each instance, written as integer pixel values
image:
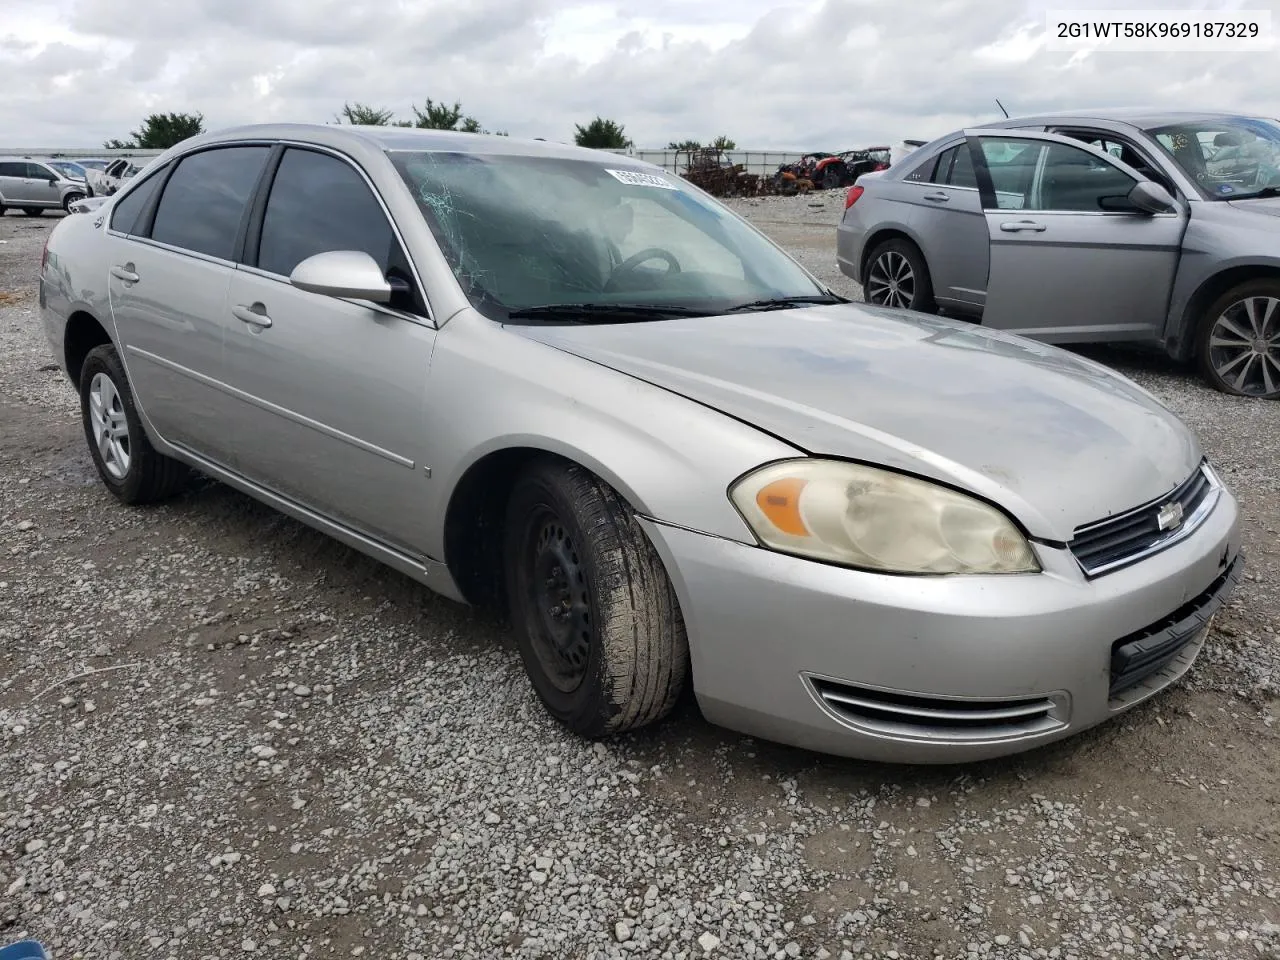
(127, 463)
(897, 276)
(1238, 341)
(69, 199)
(595, 616)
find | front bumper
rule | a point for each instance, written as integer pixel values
(939, 670)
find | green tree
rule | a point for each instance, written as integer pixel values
(685, 145)
(724, 143)
(160, 131)
(362, 114)
(601, 134)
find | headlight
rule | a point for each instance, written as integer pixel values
(878, 520)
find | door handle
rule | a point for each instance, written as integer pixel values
(938, 197)
(125, 273)
(1015, 226)
(256, 314)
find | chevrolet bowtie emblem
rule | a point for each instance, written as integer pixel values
(1170, 516)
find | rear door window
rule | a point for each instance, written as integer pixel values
(204, 201)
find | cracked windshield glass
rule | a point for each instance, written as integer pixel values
(1229, 158)
(546, 232)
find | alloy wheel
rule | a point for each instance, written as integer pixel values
(110, 428)
(1244, 346)
(891, 281)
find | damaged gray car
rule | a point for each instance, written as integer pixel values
(571, 383)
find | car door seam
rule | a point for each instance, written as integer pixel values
(270, 407)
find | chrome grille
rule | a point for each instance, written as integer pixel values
(1118, 541)
(914, 717)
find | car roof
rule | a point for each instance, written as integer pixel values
(1142, 117)
(407, 139)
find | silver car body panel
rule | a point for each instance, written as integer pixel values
(1179, 268)
(41, 187)
(365, 422)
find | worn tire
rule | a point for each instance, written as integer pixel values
(150, 476)
(33, 211)
(1205, 359)
(921, 293)
(625, 654)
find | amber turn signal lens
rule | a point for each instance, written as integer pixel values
(780, 502)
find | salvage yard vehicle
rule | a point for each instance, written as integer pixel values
(1086, 228)
(105, 182)
(33, 187)
(571, 382)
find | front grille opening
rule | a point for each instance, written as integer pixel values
(1149, 651)
(916, 717)
(1099, 547)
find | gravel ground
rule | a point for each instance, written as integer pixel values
(224, 735)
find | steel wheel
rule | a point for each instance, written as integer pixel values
(110, 427)
(891, 281)
(557, 587)
(1244, 346)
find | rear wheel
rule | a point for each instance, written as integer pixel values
(595, 616)
(1238, 341)
(832, 177)
(127, 463)
(33, 211)
(897, 276)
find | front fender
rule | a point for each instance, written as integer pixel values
(672, 459)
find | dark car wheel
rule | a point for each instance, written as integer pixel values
(832, 177)
(33, 211)
(896, 276)
(1238, 341)
(128, 464)
(594, 613)
(69, 199)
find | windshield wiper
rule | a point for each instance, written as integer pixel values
(786, 303)
(1264, 192)
(604, 312)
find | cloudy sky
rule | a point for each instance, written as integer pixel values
(823, 74)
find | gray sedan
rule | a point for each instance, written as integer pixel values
(571, 383)
(1100, 227)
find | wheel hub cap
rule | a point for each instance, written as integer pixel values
(109, 425)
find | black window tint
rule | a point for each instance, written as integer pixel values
(1076, 180)
(961, 174)
(923, 173)
(37, 171)
(319, 203)
(10, 169)
(205, 198)
(124, 215)
(944, 165)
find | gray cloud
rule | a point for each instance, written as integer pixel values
(825, 75)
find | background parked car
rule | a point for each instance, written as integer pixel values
(107, 181)
(70, 169)
(34, 187)
(1071, 228)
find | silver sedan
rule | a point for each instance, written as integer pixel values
(1102, 227)
(570, 383)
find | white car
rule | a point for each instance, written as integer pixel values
(103, 183)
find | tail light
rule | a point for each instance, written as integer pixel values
(852, 196)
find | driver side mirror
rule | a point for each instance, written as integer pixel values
(1149, 197)
(347, 274)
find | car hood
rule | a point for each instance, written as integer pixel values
(1057, 440)
(1268, 206)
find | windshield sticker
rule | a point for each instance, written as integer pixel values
(636, 178)
(1226, 188)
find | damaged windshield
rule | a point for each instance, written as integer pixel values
(528, 234)
(1229, 158)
